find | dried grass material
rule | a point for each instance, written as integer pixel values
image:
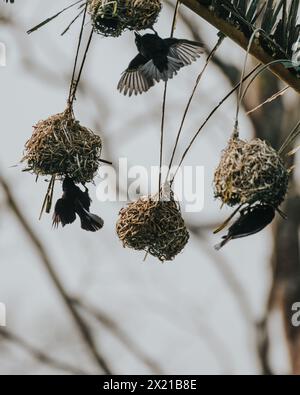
(153, 226)
(107, 17)
(113, 17)
(250, 172)
(61, 146)
(142, 14)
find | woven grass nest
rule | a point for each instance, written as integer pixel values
(61, 146)
(113, 17)
(155, 226)
(251, 172)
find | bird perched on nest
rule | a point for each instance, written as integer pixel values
(158, 59)
(252, 220)
(75, 201)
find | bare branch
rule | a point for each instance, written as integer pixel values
(38, 354)
(48, 265)
(119, 333)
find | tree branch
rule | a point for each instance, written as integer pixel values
(239, 38)
(39, 354)
(116, 330)
(82, 329)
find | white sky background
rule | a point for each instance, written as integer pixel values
(184, 315)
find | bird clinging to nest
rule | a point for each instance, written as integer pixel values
(75, 202)
(251, 221)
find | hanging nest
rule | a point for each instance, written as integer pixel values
(113, 17)
(107, 17)
(155, 226)
(142, 14)
(61, 146)
(251, 172)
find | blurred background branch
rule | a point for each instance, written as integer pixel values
(271, 122)
(80, 325)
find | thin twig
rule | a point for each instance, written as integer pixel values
(164, 105)
(210, 56)
(261, 70)
(40, 355)
(291, 137)
(269, 100)
(209, 117)
(73, 95)
(77, 54)
(43, 23)
(72, 22)
(240, 92)
(48, 197)
(119, 333)
(162, 128)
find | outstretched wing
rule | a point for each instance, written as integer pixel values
(181, 53)
(184, 50)
(173, 65)
(134, 80)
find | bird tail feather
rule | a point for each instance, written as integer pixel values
(90, 222)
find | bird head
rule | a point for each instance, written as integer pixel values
(138, 39)
(68, 184)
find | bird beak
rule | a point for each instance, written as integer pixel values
(154, 31)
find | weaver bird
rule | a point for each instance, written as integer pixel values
(252, 220)
(75, 201)
(158, 59)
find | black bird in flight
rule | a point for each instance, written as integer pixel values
(158, 59)
(252, 220)
(75, 201)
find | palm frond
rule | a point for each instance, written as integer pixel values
(278, 20)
